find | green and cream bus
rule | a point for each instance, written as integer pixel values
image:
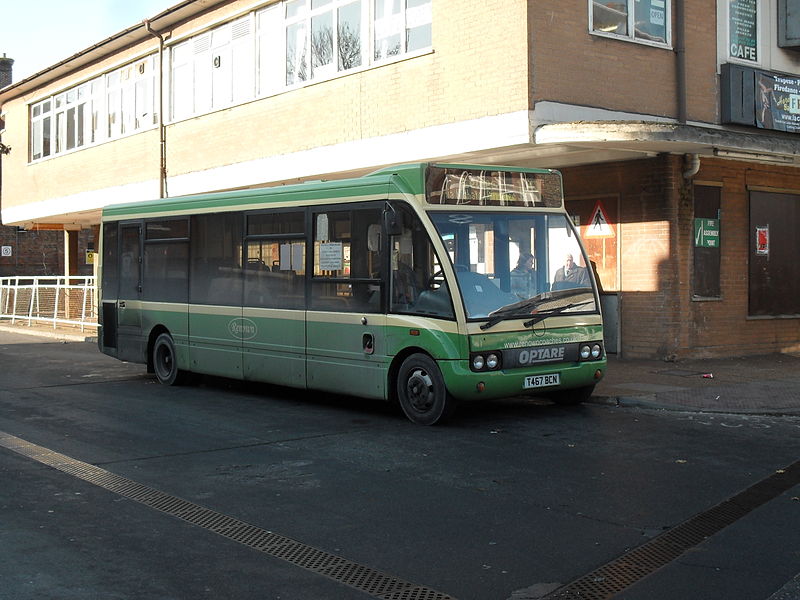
(424, 284)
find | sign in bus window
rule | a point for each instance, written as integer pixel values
(472, 187)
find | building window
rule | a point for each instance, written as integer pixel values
(214, 70)
(323, 37)
(401, 26)
(285, 44)
(41, 129)
(639, 20)
(288, 44)
(118, 103)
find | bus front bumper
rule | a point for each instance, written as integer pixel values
(465, 384)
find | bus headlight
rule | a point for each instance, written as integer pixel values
(591, 351)
(490, 361)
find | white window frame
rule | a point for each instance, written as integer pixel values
(401, 22)
(80, 117)
(213, 70)
(301, 20)
(191, 81)
(631, 25)
(226, 65)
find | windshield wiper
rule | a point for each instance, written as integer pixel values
(511, 311)
(552, 312)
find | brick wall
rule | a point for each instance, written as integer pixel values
(574, 66)
(724, 326)
(659, 318)
(41, 253)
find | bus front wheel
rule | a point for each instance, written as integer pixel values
(165, 363)
(421, 391)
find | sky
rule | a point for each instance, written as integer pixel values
(40, 33)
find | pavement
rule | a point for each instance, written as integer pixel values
(761, 384)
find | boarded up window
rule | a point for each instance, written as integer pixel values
(705, 277)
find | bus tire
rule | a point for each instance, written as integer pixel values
(421, 391)
(165, 363)
(573, 396)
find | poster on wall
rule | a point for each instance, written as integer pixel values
(762, 240)
(743, 29)
(777, 102)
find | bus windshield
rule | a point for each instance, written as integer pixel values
(516, 265)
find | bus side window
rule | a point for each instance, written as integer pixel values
(417, 283)
(216, 259)
(274, 273)
(348, 256)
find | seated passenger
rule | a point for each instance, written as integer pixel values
(571, 275)
(523, 277)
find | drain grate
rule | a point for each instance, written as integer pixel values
(612, 578)
(360, 577)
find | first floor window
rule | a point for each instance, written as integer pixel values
(401, 26)
(641, 20)
(324, 37)
(118, 103)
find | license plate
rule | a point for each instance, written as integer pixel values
(537, 381)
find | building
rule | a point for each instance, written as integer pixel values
(41, 251)
(676, 124)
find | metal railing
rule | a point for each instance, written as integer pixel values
(57, 300)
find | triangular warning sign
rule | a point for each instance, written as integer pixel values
(598, 226)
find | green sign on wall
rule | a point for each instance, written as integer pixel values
(706, 233)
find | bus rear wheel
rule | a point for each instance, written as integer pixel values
(165, 363)
(421, 391)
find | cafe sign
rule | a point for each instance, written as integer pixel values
(743, 30)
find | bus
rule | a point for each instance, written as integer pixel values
(422, 284)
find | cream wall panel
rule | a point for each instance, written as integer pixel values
(477, 70)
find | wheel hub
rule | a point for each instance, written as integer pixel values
(420, 390)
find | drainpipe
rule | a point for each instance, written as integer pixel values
(680, 59)
(162, 130)
(692, 162)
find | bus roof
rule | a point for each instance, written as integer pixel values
(408, 178)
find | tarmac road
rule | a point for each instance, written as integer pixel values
(514, 499)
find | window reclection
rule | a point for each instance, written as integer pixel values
(323, 37)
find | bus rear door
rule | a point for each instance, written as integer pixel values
(130, 346)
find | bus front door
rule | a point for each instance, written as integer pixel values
(346, 321)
